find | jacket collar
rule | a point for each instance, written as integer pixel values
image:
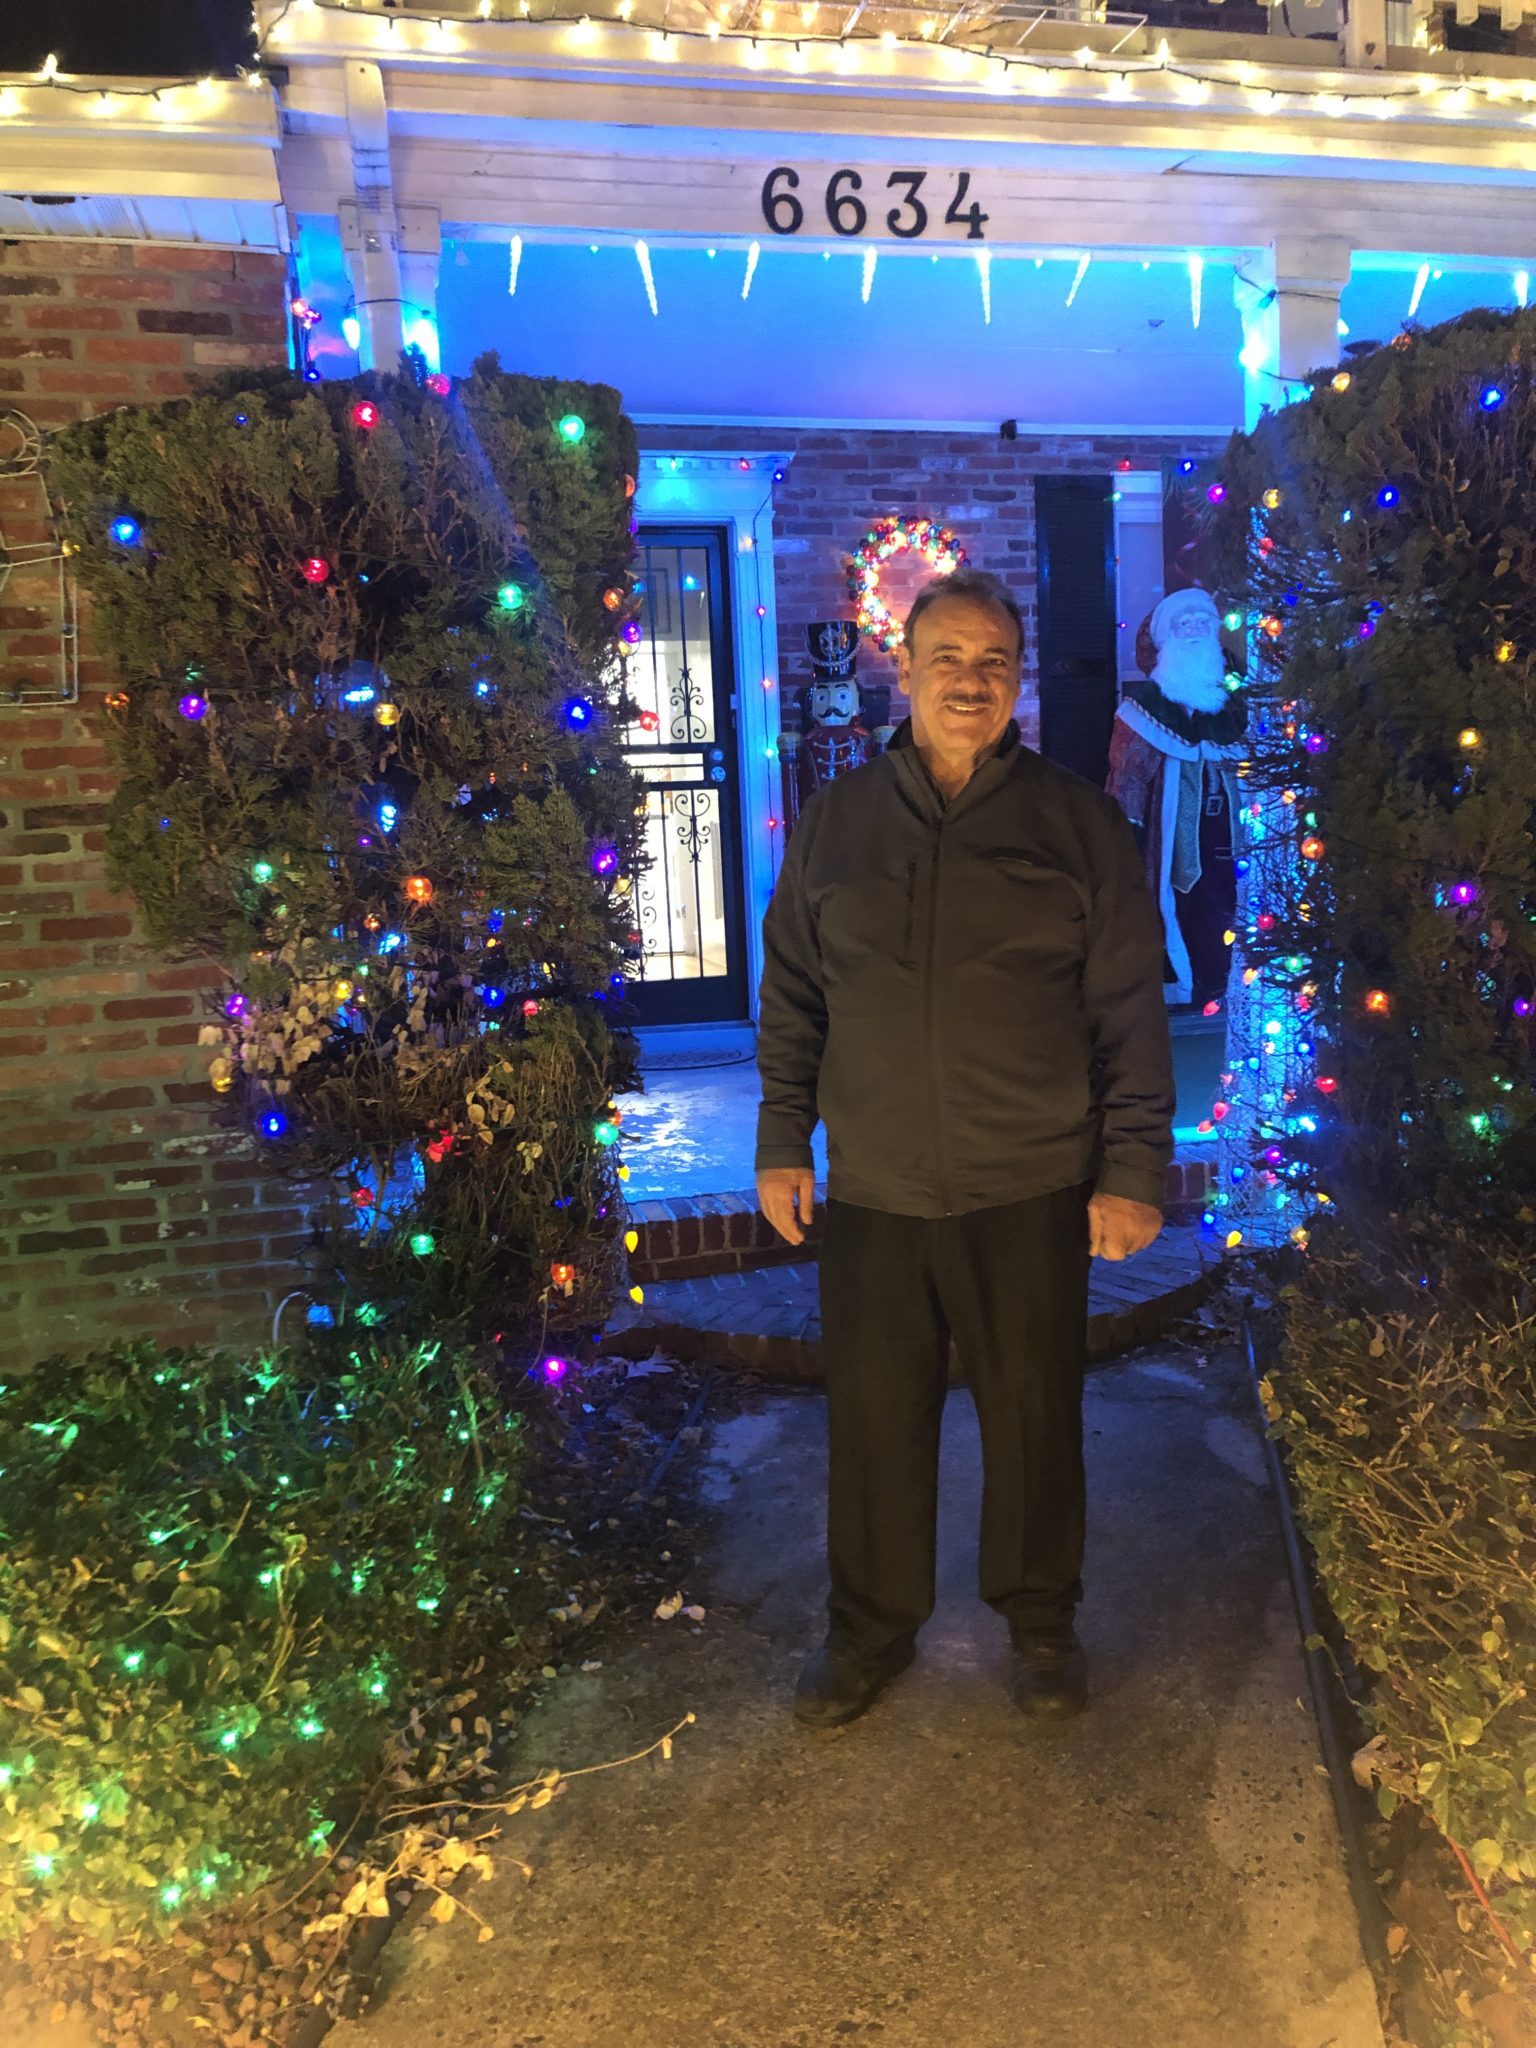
(913, 773)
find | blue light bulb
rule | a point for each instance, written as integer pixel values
(125, 531)
(1492, 398)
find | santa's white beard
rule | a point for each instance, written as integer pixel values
(1193, 673)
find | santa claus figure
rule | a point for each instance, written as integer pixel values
(1172, 755)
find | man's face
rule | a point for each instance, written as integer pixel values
(961, 668)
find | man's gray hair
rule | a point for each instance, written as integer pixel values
(977, 584)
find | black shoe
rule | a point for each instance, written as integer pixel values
(1050, 1673)
(838, 1684)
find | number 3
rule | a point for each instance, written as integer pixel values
(913, 181)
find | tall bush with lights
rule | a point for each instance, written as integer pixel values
(1383, 536)
(369, 738)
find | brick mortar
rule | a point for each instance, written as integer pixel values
(110, 1073)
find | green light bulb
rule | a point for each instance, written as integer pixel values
(606, 1133)
(429, 1605)
(170, 1896)
(309, 1727)
(132, 1659)
(367, 1314)
(262, 872)
(89, 1809)
(573, 428)
(511, 597)
(43, 1865)
(378, 1688)
(423, 1244)
(229, 1738)
(1233, 621)
(6, 1774)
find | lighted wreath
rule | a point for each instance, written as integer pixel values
(934, 545)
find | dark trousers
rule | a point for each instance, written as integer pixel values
(1010, 1285)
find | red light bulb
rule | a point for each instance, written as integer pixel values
(315, 569)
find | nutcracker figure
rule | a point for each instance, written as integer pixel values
(838, 728)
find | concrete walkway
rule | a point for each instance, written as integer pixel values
(1163, 1873)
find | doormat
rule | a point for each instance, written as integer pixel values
(693, 1062)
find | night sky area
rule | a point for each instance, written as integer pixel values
(150, 38)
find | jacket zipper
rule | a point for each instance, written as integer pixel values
(935, 1064)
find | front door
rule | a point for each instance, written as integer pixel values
(693, 955)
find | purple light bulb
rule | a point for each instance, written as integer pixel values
(193, 706)
(235, 1005)
(554, 1369)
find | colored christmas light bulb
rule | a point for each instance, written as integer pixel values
(423, 1244)
(530, 1008)
(314, 569)
(578, 712)
(554, 1368)
(1505, 651)
(1233, 622)
(1216, 494)
(1313, 848)
(387, 714)
(418, 888)
(1387, 497)
(650, 721)
(612, 599)
(632, 633)
(192, 706)
(605, 860)
(511, 597)
(1490, 398)
(1378, 1002)
(273, 1124)
(1342, 381)
(125, 531)
(1272, 500)
(439, 385)
(365, 414)
(1469, 737)
(606, 1133)
(573, 428)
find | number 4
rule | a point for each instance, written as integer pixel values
(972, 219)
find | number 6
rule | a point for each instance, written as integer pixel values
(842, 205)
(776, 203)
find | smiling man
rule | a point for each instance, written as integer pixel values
(963, 981)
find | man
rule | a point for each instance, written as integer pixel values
(963, 978)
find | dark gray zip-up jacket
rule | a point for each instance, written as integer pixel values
(969, 994)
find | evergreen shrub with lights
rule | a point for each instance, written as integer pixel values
(221, 1581)
(1383, 536)
(371, 641)
(1380, 1110)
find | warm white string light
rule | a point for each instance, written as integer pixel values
(643, 255)
(1522, 287)
(1196, 288)
(1421, 278)
(984, 271)
(753, 252)
(993, 69)
(1077, 282)
(514, 265)
(871, 257)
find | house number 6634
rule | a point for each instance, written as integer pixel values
(847, 213)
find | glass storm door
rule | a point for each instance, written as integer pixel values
(693, 961)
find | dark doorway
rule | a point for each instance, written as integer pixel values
(1074, 542)
(688, 901)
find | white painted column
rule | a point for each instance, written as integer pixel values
(1288, 299)
(1363, 34)
(391, 255)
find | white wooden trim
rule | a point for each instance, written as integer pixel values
(714, 490)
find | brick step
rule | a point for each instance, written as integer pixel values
(688, 1236)
(768, 1321)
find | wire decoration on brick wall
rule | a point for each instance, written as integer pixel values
(31, 567)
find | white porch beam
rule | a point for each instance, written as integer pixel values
(392, 252)
(1288, 298)
(1364, 35)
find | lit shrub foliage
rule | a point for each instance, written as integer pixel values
(220, 1580)
(1382, 536)
(1407, 1401)
(371, 640)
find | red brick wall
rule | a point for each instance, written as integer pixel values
(978, 484)
(124, 1209)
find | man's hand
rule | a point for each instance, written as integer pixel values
(786, 1195)
(1119, 1228)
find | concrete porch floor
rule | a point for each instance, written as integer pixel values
(692, 1131)
(1162, 1873)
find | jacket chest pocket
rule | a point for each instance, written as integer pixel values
(1012, 911)
(868, 924)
